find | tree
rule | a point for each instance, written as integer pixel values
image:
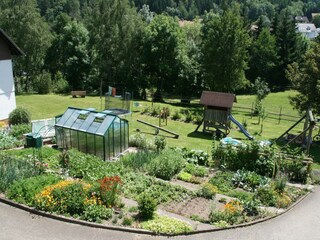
(305, 78)
(290, 46)
(116, 36)
(22, 21)
(190, 79)
(161, 42)
(69, 54)
(263, 57)
(224, 49)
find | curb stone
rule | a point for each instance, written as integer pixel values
(140, 231)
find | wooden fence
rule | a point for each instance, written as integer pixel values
(279, 116)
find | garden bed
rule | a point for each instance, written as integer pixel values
(84, 187)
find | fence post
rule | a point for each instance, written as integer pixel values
(252, 110)
(280, 115)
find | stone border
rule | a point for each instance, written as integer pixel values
(141, 231)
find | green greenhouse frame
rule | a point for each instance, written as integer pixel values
(99, 133)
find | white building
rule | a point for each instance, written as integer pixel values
(307, 29)
(7, 92)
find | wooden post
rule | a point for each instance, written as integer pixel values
(306, 124)
(280, 115)
(252, 110)
(312, 124)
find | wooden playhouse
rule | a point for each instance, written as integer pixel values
(217, 109)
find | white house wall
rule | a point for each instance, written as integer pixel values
(7, 91)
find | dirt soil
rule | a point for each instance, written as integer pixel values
(196, 206)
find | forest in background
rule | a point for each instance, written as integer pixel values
(177, 47)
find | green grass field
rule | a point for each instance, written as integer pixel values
(47, 106)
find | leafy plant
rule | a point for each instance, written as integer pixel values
(196, 170)
(96, 213)
(140, 141)
(160, 143)
(197, 157)
(19, 116)
(7, 141)
(248, 180)
(231, 213)
(187, 177)
(163, 224)
(146, 206)
(208, 191)
(127, 221)
(267, 196)
(109, 190)
(24, 190)
(18, 130)
(279, 184)
(223, 181)
(139, 160)
(166, 165)
(13, 169)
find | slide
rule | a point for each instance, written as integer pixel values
(240, 127)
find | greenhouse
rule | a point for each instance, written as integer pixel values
(99, 133)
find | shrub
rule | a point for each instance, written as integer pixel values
(176, 115)
(208, 191)
(139, 140)
(166, 165)
(163, 224)
(160, 143)
(60, 85)
(19, 116)
(295, 169)
(188, 116)
(18, 130)
(184, 176)
(127, 221)
(266, 196)
(196, 170)
(43, 83)
(146, 206)
(25, 190)
(96, 213)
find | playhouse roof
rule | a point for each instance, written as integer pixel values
(218, 99)
(14, 49)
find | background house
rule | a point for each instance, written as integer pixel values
(307, 29)
(7, 91)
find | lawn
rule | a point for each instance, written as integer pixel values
(47, 106)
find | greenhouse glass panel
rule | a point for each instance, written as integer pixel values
(71, 120)
(91, 144)
(117, 137)
(105, 124)
(74, 139)
(100, 133)
(107, 145)
(65, 117)
(86, 124)
(82, 142)
(111, 142)
(99, 146)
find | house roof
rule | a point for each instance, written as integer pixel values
(305, 27)
(14, 49)
(217, 99)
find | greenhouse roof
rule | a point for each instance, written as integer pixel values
(86, 120)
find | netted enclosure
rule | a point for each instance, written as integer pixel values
(100, 133)
(118, 104)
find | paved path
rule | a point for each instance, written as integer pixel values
(302, 222)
